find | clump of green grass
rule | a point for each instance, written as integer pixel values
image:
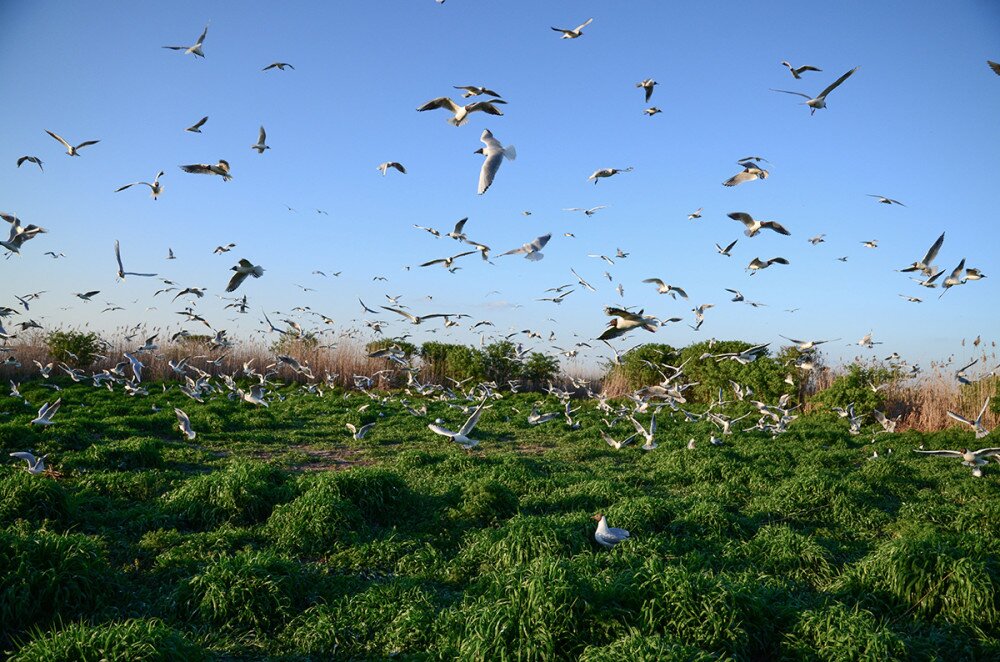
(395, 618)
(44, 575)
(519, 541)
(316, 523)
(242, 493)
(33, 498)
(123, 455)
(184, 554)
(381, 495)
(139, 640)
(638, 647)
(933, 575)
(836, 632)
(527, 612)
(248, 591)
(778, 550)
(486, 503)
(703, 610)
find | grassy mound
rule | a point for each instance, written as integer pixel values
(138, 640)
(242, 493)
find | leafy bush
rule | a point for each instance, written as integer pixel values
(639, 366)
(500, 362)
(381, 496)
(838, 633)
(316, 522)
(856, 386)
(408, 348)
(765, 376)
(64, 345)
(456, 361)
(242, 493)
(44, 575)
(32, 498)
(133, 639)
(487, 502)
(247, 591)
(125, 455)
(538, 369)
(387, 620)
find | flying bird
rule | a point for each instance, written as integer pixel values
(624, 321)
(575, 32)
(995, 66)
(461, 113)
(495, 153)
(462, 436)
(647, 85)
(664, 288)
(196, 48)
(278, 65)
(607, 172)
(725, 251)
(184, 424)
(884, 200)
(750, 172)
(46, 413)
(196, 127)
(475, 91)
(532, 249)
(754, 226)
(70, 149)
(36, 465)
(819, 101)
(798, 71)
(221, 169)
(155, 188)
(757, 264)
(261, 138)
(384, 167)
(31, 159)
(243, 269)
(121, 270)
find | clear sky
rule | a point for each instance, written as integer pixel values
(917, 123)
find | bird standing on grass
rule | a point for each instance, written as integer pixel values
(607, 536)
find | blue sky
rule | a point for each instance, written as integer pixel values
(917, 123)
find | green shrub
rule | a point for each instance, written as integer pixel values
(855, 387)
(538, 369)
(765, 376)
(125, 455)
(63, 345)
(487, 502)
(391, 619)
(646, 648)
(247, 591)
(382, 496)
(242, 493)
(500, 362)
(132, 639)
(315, 523)
(639, 366)
(837, 633)
(527, 612)
(32, 498)
(45, 575)
(458, 362)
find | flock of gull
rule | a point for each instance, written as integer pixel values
(472, 400)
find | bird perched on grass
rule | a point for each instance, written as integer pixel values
(606, 536)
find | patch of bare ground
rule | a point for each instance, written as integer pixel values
(320, 459)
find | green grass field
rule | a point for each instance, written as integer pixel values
(277, 535)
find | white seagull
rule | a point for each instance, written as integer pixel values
(36, 465)
(819, 101)
(261, 138)
(184, 424)
(243, 269)
(221, 169)
(121, 270)
(384, 167)
(46, 413)
(532, 249)
(575, 32)
(606, 536)
(461, 113)
(608, 172)
(754, 226)
(976, 424)
(495, 154)
(70, 149)
(155, 188)
(196, 48)
(462, 436)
